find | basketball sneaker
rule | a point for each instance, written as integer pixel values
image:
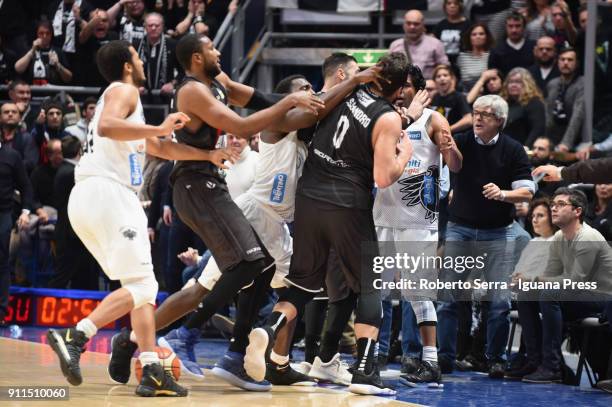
(285, 375)
(369, 384)
(302, 367)
(261, 341)
(428, 373)
(230, 368)
(122, 350)
(335, 371)
(223, 324)
(68, 344)
(157, 382)
(182, 342)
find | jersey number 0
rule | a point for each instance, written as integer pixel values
(341, 129)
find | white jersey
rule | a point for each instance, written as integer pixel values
(121, 161)
(412, 201)
(279, 168)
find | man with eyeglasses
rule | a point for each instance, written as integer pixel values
(580, 264)
(495, 175)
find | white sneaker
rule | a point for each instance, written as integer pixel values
(303, 367)
(335, 371)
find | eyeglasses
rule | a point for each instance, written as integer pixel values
(560, 204)
(484, 115)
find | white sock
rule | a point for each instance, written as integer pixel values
(278, 359)
(87, 327)
(148, 358)
(133, 337)
(430, 354)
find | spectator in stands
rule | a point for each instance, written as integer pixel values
(127, 18)
(598, 149)
(158, 54)
(93, 36)
(48, 126)
(527, 114)
(545, 67)
(44, 63)
(532, 262)
(20, 93)
(79, 130)
(68, 19)
(450, 29)
(74, 264)
(474, 59)
(430, 87)
(494, 176)
(599, 215)
(489, 83)
(516, 50)
(242, 174)
(542, 149)
(583, 15)
(423, 50)
(13, 23)
(42, 179)
(14, 137)
(493, 13)
(12, 177)
(7, 63)
(565, 109)
(539, 19)
(565, 31)
(254, 142)
(587, 259)
(197, 21)
(450, 103)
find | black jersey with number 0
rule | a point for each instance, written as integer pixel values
(340, 163)
(204, 138)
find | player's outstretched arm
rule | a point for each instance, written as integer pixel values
(300, 118)
(169, 150)
(119, 103)
(199, 101)
(445, 142)
(389, 165)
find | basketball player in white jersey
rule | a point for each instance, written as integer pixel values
(407, 211)
(106, 214)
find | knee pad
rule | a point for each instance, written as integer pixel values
(247, 271)
(143, 289)
(369, 309)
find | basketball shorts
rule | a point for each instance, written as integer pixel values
(273, 232)
(110, 221)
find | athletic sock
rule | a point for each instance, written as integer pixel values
(87, 327)
(276, 321)
(329, 346)
(148, 358)
(430, 354)
(365, 354)
(133, 337)
(278, 359)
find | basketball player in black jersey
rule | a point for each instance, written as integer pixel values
(204, 204)
(352, 148)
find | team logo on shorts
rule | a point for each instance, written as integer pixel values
(128, 232)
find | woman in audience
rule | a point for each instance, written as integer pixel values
(539, 19)
(527, 113)
(450, 103)
(473, 60)
(450, 29)
(489, 83)
(599, 215)
(533, 262)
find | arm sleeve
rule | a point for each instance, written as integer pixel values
(597, 171)
(536, 118)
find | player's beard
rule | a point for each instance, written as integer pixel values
(139, 80)
(211, 70)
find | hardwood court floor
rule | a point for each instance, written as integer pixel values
(32, 364)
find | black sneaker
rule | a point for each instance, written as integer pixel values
(518, 374)
(285, 375)
(261, 341)
(429, 373)
(68, 344)
(464, 365)
(446, 365)
(478, 364)
(497, 369)
(156, 382)
(369, 384)
(605, 385)
(410, 365)
(382, 362)
(543, 375)
(122, 350)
